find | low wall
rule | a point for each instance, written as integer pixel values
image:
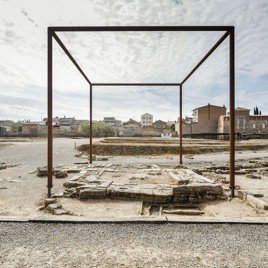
(120, 149)
(153, 147)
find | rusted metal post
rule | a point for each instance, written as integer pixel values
(181, 124)
(90, 124)
(49, 115)
(232, 112)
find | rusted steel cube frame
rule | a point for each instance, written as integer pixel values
(229, 31)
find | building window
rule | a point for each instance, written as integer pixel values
(254, 125)
(263, 125)
(244, 122)
(237, 122)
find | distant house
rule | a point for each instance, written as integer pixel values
(132, 121)
(170, 123)
(166, 135)
(5, 126)
(146, 120)
(112, 121)
(6, 123)
(66, 121)
(55, 122)
(65, 124)
(131, 130)
(3, 130)
(159, 124)
(41, 123)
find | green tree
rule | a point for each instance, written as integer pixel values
(119, 131)
(257, 111)
(83, 129)
(103, 130)
(98, 130)
(173, 127)
(45, 120)
(16, 127)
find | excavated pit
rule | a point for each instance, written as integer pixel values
(154, 209)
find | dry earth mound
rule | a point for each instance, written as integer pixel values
(160, 146)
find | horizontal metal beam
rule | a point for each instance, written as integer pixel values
(206, 56)
(70, 56)
(135, 84)
(138, 28)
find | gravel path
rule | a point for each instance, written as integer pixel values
(133, 245)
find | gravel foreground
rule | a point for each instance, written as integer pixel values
(133, 245)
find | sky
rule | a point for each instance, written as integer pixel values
(130, 57)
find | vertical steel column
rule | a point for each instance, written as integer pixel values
(181, 124)
(49, 116)
(90, 124)
(232, 112)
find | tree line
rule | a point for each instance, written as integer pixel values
(98, 130)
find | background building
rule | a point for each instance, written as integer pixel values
(159, 124)
(112, 121)
(146, 120)
(204, 120)
(131, 129)
(245, 123)
(132, 121)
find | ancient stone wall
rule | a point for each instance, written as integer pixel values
(202, 126)
(29, 130)
(42, 131)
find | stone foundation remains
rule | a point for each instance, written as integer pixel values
(151, 183)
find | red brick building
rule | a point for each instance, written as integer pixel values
(204, 120)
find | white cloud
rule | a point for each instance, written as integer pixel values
(135, 57)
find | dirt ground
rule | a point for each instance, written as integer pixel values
(22, 192)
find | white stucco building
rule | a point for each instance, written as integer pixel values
(146, 120)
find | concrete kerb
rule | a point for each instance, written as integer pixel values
(137, 220)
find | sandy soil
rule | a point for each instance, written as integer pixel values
(22, 192)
